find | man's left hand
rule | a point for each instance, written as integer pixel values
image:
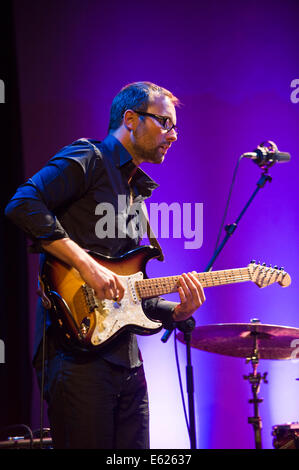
(191, 295)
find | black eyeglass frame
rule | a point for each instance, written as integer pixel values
(159, 118)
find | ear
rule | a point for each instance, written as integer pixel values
(130, 120)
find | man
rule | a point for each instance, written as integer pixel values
(99, 399)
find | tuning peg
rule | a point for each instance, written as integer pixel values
(281, 269)
(264, 264)
(275, 267)
(253, 261)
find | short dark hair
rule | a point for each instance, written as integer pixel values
(136, 96)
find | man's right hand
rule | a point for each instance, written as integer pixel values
(106, 284)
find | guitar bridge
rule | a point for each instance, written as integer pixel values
(89, 297)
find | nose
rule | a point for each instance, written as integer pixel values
(172, 135)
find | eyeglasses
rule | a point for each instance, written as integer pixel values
(165, 121)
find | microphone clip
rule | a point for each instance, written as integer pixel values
(264, 151)
(185, 326)
(267, 154)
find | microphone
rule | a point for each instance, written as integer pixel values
(266, 154)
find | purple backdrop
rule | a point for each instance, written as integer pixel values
(231, 64)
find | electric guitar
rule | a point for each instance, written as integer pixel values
(91, 323)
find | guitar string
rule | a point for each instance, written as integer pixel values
(162, 285)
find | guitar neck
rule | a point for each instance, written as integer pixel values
(147, 288)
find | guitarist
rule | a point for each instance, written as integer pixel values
(99, 399)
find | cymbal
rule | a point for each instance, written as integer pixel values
(237, 340)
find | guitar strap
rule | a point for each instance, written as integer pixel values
(151, 235)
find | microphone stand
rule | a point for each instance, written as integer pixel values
(230, 229)
(187, 328)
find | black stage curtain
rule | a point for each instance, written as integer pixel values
(15, 371)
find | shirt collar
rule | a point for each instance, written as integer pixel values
(117, 151)
(123, 161)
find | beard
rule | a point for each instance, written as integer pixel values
(153, 155)
(146, 151)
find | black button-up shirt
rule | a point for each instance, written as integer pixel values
(64, 200)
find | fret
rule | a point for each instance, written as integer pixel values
(147, 288)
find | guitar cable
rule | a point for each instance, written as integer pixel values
(180, 381)
(228, 201)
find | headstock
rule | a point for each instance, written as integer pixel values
(264, 276)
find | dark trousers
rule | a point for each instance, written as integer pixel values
(94, 404)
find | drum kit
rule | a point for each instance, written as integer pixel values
(253, 341)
